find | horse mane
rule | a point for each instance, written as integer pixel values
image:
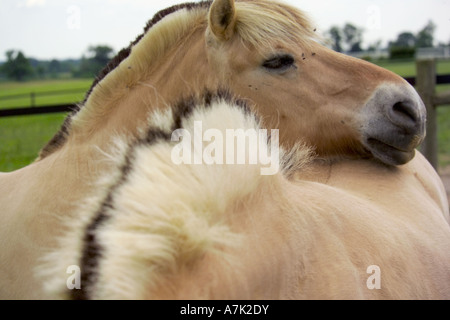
(257, 23)
(60, 137)
(150, 218)
(124, 53)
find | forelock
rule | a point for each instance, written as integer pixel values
(260, 22)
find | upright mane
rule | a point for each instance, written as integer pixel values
(60, 137)
(125, 52)
(258, 22)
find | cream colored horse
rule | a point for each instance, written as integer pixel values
(157, 230)
(265, 53)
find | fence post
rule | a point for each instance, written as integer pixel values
(426, 86)
(33, 99)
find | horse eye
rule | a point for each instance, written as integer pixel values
(279, 63)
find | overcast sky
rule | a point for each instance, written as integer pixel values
(47, 29)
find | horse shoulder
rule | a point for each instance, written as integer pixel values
(431, 182)
(33, 201)
(18, 246)
(357, 234)
(414, 189)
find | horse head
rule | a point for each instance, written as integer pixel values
(338, 104)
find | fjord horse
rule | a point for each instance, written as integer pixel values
(158, 230)
(353, 115)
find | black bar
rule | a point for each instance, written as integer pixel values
(37, 110)
(440, 79)
(411, 81)
(43, 93)
(443, 79)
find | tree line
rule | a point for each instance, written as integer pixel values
(349, 39)
(19, 68)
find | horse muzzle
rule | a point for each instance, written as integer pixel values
(393, 123)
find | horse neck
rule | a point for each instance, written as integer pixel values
(117, 111)
(123, 109)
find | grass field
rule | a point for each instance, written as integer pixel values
(21, 138)
(40, 88)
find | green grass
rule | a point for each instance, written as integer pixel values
(402, 68)
(21, 138)
(408, 68)
(443, 118)
(40, 88)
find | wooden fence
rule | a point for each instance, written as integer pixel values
(426, 82)
(32, 107)
(37, 110)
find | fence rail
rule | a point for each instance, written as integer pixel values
(37, 110)
(41, 93)
(34, 108)
(440, 79)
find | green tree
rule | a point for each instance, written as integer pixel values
(375, 46)
(54, 67)
(101, 54)
(406, 39)
(97, 58)
(336, 37)
(353, 37)
(40, 71)
(425, 37)
(404, 47)
(17, 66)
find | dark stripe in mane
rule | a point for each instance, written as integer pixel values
(60, 137)
(92, 250)
(184, 108)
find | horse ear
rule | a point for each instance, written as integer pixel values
(222, 18)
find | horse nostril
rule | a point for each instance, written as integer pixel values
(404, 113)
